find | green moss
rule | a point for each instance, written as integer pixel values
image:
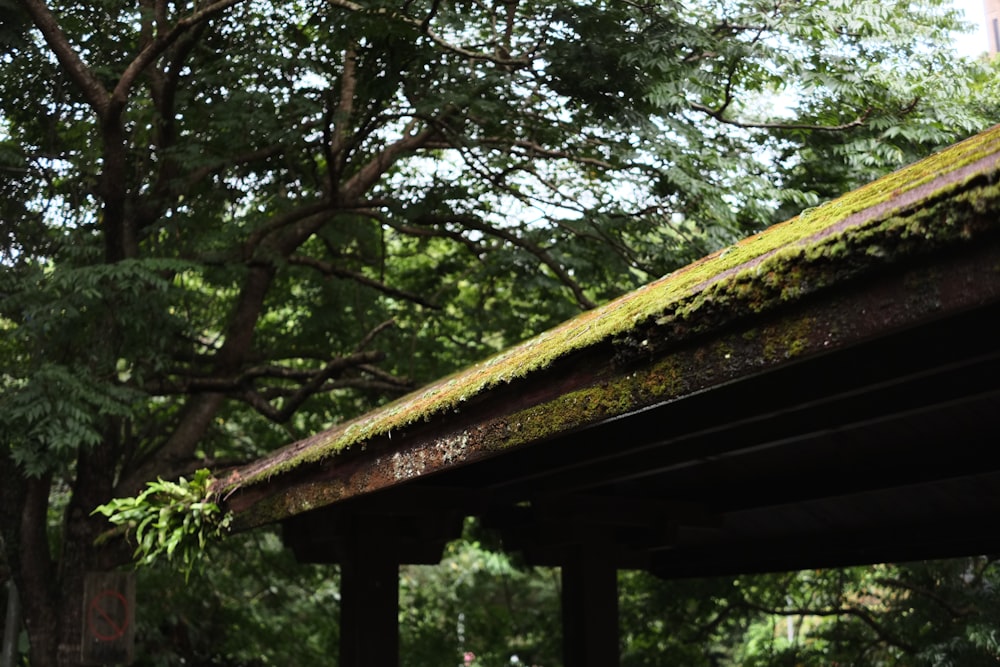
(779, 265)
(591, 404)
(791, 341)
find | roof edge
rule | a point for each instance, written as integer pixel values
(783, 264)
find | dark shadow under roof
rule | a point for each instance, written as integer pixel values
(823, 393)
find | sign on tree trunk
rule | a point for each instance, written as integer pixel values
(108, 618)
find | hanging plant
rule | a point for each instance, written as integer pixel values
(169, 519)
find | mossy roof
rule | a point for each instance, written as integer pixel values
(858, 220)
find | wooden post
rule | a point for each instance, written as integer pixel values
(590, 610)
(369, 603)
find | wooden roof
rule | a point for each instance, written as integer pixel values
(825, 392)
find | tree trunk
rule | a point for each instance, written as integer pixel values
(27, 547)
(51, 591)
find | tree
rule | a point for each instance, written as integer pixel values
(923, 613)
(479, 601)
(229, 222)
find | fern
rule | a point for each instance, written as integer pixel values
(171, 520)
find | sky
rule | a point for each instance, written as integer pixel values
(974, 43)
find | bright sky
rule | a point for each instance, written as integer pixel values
(974, 43)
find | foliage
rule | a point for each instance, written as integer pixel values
(924, 613)
(254, 606)
(170, 517)
(59, 387)
(481, 601)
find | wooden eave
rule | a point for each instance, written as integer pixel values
(823, 393)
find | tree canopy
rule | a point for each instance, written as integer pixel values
(229, 223)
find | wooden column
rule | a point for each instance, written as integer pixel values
(369, 603)
(590, 610)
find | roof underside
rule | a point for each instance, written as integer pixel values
(824, 393)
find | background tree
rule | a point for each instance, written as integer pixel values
(926, 613)
(229, 223)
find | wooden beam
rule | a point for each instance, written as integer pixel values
(369, 599)
(590, 610)
(412, 533)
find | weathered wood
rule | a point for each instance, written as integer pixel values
(419, 531)
(725, 318)
(369, 599)
(590, 610)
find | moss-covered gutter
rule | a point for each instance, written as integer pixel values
(949, 198)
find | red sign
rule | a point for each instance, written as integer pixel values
(108, 621)
(108, 615)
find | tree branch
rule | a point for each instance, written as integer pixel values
(539, 253)
(719, 115)
(96, 95)
(387, 379)
(162, 42)
(163, 86)
(955, 612)
(374, 169)
(198, 175)
(328, 269)
(305, 212)
(423, 25)
(190, 383)
(308, 388)
(367, 339)
(856, 612)
(535, 150)
(196, 416)
(335, 144)
(200, 409)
